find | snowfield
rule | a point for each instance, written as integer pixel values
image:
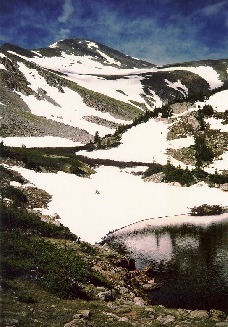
(84, 65)
(111, 199)
(219, 101)
(146, 142)
(67, 107)
(124, 88)
(177, 86)
(217, 124)
(82, 69)
(38, 142)
(181, 142)
(206, 72)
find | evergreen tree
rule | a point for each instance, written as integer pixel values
(97, 138)
(202, 152)
(207, 110)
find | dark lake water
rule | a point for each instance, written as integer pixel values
(190, 261)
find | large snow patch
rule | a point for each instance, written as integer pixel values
(111, 199)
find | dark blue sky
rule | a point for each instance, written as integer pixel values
(160, 31)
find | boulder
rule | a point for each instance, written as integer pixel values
(107, 295)
(78, 317)
(176, 184)
(217, 314)
(83, 314)
(11, 321)
(125, 319)
(199, 314)
(155, 178)
(123, 290)
(224, 187)
(139, 301)
(165, 320)
(150, 286)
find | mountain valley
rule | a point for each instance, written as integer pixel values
(94, 141)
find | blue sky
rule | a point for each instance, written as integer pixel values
(160, 31)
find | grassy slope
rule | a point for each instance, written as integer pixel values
(49, 160)
(49, 275)
(47, 278)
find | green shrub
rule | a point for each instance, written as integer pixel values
(154, 168)
(24, 298)
(13, 218)
(177, 174)
(39, 159)
(206, 210)
(207, 110)
(200, 117)
(55, 266)
(14, 194)
(203, 154)
(218, 178)
(9, 175)
(59, 270)
(166, 111)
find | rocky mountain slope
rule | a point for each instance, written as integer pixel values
(76, 87)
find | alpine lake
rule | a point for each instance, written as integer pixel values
(188, 262)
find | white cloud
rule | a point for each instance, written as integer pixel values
(63, 33)
(211, 10)
(67, 11)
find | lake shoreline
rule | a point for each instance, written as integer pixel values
(186, 256)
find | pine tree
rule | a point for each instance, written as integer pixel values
(96, 138)
(202, 152)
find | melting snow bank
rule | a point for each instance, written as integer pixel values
(38, 142)
(111, 199)
(173, 221)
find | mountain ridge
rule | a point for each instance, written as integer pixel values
(10, 46)
(111, 94)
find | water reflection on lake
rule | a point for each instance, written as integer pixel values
(190, 261)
